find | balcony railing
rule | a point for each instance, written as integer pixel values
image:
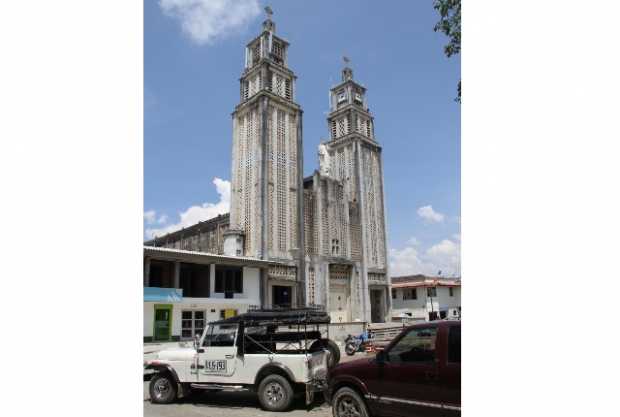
(170, 295)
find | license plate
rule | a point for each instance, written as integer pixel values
(215, 366)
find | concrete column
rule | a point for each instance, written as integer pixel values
(176, 283)
(365, 295)
(267, 301)
(262, 272)
(263, 177)
(388, 312)
(324, 266)
(211, 279)
(301, 239)
(147, 272)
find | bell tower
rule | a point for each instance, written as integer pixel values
(267, 164)
(355, 161)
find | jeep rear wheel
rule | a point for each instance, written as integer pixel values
(348, 403)
(162, 389)
(275, 393)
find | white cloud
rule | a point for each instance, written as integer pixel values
(444, 256)
(162, 219)
(430, 215)
(149, 216)
(207, 20)
(413, 241)
(196, 214)
(406, 261)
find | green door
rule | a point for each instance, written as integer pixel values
(163, 322)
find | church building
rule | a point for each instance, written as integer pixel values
(324, 236)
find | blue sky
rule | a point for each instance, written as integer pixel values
(193, 57)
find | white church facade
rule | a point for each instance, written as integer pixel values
(322, 236)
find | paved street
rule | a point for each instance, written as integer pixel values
(229, 404)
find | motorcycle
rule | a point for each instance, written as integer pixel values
(354, 344)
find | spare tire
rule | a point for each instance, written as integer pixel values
(331, 346)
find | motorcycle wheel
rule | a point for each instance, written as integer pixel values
(350, 349)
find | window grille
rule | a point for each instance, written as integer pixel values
(281, 181)
(246, 90)
(324, 218)
(339, 271)
(279, 86)
(333, 129)
(192, 323)
(288, 94)
(341, 166)
(270, 227)
(269, 81)
(311, 286)
(335, 247)
(310, 233)
(270, 166)
(278, 51)
(255, 53)
(341, 127)
(292, 177)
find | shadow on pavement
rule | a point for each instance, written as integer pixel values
(239, 400)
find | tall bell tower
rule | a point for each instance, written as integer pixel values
(355, 161)
(267, 164)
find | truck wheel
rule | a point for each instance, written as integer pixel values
(162, 389)
(275, 393)
(347, 402)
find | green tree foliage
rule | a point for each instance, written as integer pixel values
(450, 25)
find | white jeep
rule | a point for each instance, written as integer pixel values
(275, 354)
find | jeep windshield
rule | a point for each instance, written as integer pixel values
(220, 335)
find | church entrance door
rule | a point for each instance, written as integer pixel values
(376, 306)
(282, 296)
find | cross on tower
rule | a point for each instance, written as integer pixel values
(269, 12)
(347, 72)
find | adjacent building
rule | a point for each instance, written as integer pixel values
(422, 298)
(319, 240)
(184, 290)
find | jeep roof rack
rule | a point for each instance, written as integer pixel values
(279, 317)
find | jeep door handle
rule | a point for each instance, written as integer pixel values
(230, 356)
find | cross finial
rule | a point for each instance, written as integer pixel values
(269, 12)
(347, 72)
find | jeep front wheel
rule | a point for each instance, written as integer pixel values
(162, 389)
(275, 393)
